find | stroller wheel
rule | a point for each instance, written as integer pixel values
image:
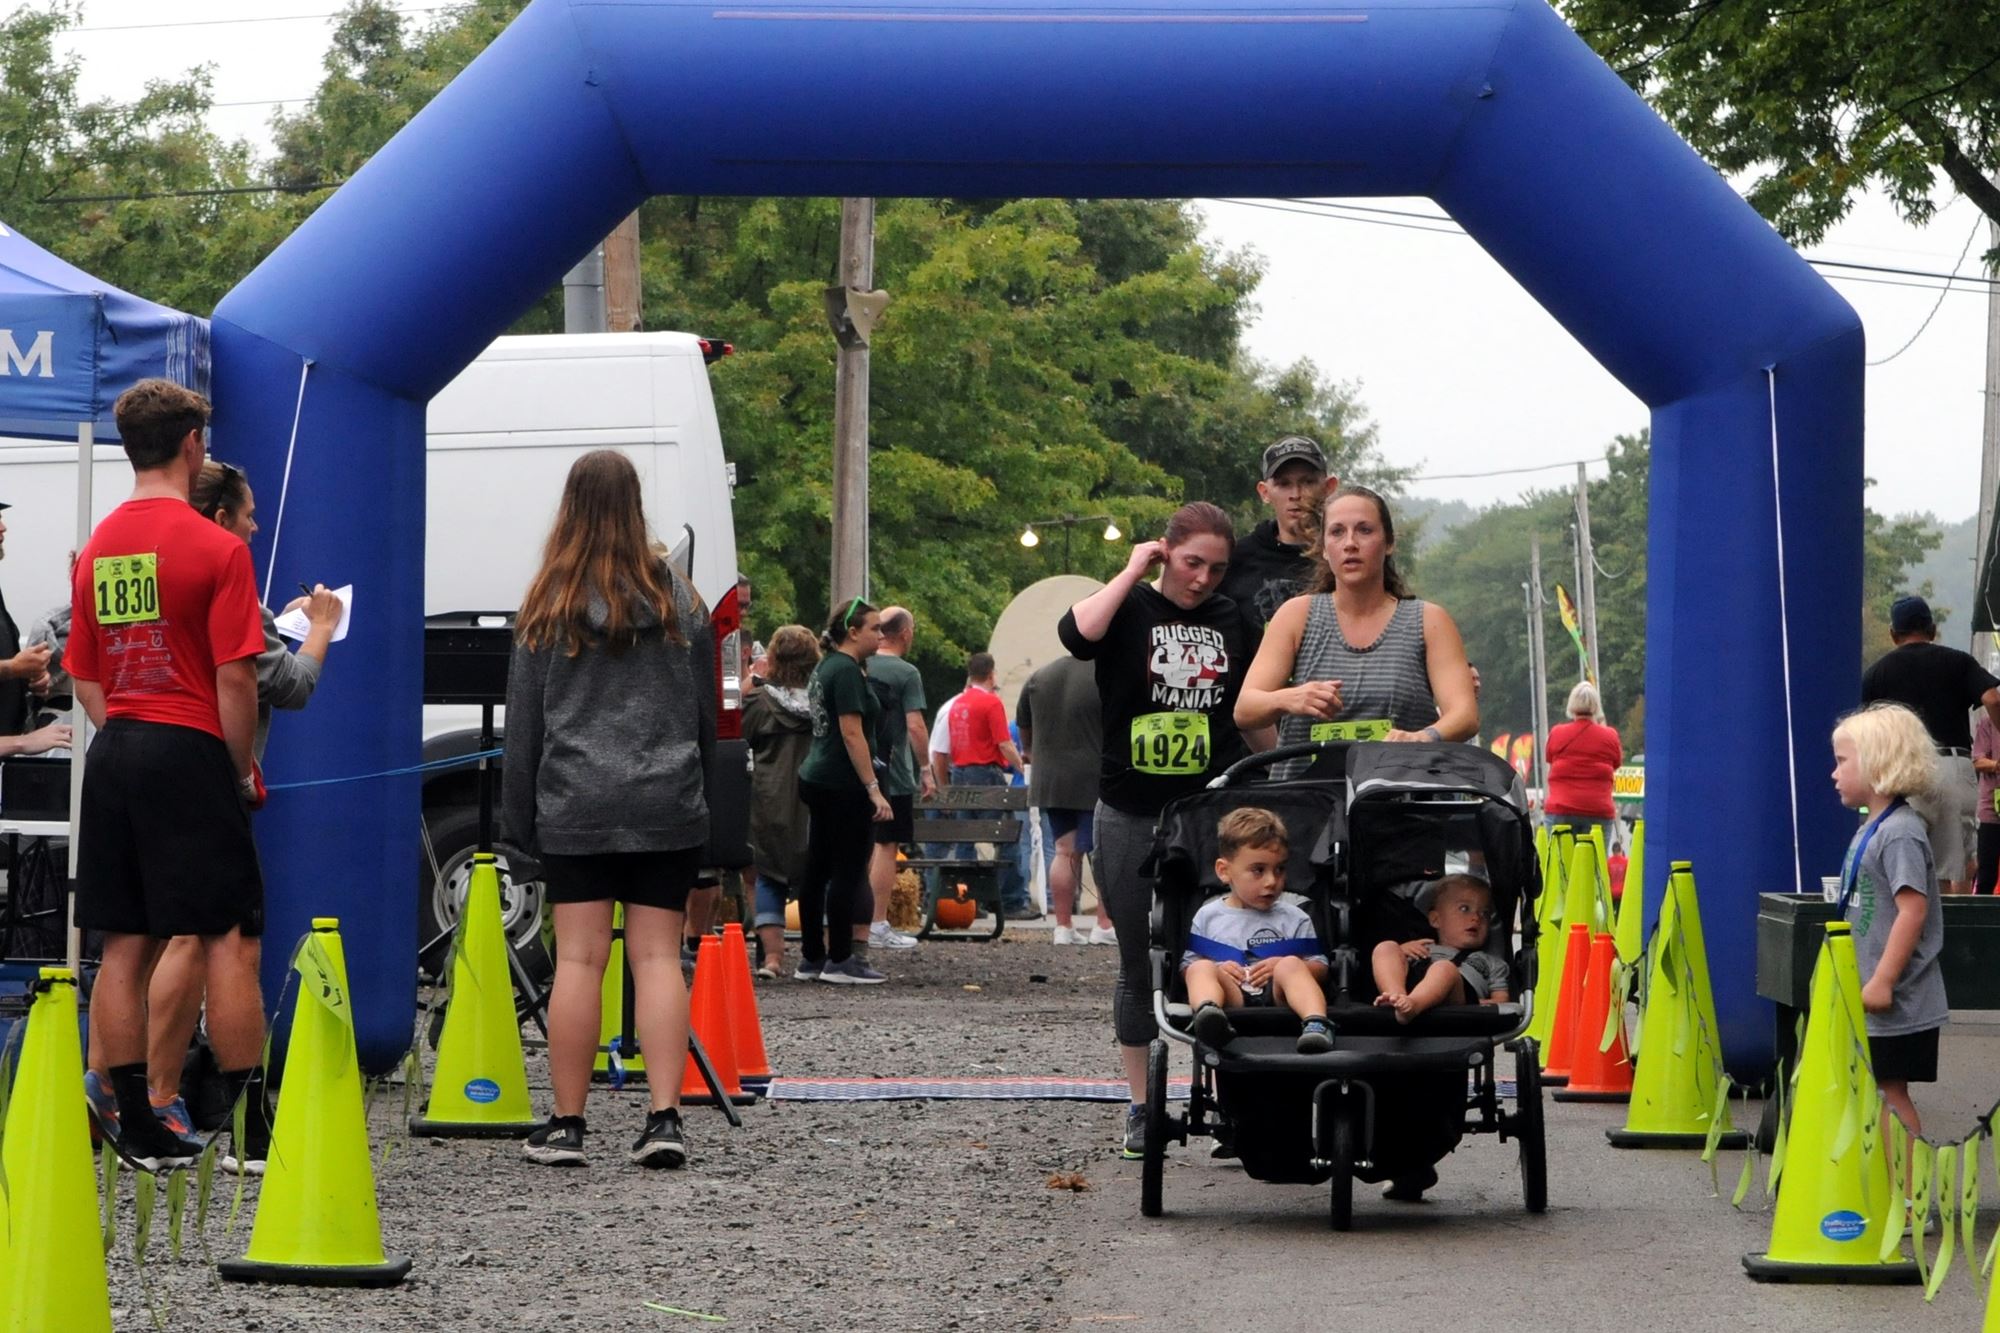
(1152, 1166)
(1528, 1128)
(1342, 1185)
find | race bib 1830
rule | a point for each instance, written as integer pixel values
(1172, 744)
(1361, 729)
(128, 588)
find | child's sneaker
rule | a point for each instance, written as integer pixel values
(662, 1144)
(1210, 1026)
(1317, 1039)
(558, 1143)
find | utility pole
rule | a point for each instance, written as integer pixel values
(1587, 576)
(851, 327)
(1538, 666)
(1989, 466)
(623, 303)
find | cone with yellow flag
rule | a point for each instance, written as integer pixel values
(1630, 933)
(51, 1249)
(316, 1219)
(615, 1037)
(1834, 1198)
(1551, 936)
(480, 1086)
(1678, 1060)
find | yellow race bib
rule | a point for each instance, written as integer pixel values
(1362, 729)
(1170, 744)
(127, 587)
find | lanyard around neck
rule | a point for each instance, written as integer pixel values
(1850, 874)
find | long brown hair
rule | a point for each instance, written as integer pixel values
(598, 546)
(1392, 577)
(218, 488)
(1197, 517)
(794, 652)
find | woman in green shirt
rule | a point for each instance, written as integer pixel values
(840, 785)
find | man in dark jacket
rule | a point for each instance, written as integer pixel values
(1274, 563)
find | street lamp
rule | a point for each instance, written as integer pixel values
(1030, 538)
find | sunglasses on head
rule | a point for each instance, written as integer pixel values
(847, 621)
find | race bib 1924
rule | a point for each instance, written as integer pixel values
(1170, 744)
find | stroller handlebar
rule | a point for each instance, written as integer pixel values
(1243, 769)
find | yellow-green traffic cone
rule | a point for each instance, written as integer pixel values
(1583, 906)
(1697, 949)
(1630, 935)
(1834, 1197)
(316, 1219)
(1551, 935)
(480, 1086)
(52, 1277)
(1992, 1322)
(1674, 1074)
(611, 1013)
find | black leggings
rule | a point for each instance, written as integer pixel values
(839, 841)
(1989, 858)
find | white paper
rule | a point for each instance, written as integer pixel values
(294, 625)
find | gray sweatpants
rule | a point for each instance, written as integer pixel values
(1122, 844)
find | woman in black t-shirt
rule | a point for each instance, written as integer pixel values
(1170, 659)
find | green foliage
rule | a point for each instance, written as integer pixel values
(1820, 100)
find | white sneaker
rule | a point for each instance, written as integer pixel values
(1064, 935)
(1103, 935)
(882, 935)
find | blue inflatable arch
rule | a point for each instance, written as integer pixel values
(1751, 365)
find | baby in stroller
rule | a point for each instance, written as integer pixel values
(1250, 947)
(1453, 968)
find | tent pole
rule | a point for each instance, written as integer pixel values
(86, 467)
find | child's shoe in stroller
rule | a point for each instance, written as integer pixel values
(1317, 1039)
(1210, 1026)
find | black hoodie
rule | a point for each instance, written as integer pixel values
(1265, 573)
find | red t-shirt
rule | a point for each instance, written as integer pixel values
(1582, 755)
(978, 725)
(161, 597)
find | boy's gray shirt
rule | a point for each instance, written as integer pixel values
(1484, 972)
(1898, 856)
(608, 751)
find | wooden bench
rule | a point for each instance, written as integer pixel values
(938, 821)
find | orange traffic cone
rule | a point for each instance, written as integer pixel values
(1599, 1073)
(739, 993)
(708, 1023)
(1569, 1006)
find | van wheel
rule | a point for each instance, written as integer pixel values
(444, 871)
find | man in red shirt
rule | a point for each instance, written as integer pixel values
(165, 633)
(982, 753)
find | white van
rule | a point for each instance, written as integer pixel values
(501, 440)
(502, 437)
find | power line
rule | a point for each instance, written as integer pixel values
(259, 18)
(1939, 304)
(190, 194)
(1503, 472)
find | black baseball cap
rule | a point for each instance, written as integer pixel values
(1911, 615)
(1293, 448)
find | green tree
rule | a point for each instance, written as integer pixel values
(1819, 100)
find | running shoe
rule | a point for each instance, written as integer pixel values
(1103, 935)
(851, 972)
(1211, 1026)
(174, 1115)
(808, 970)
(248, 1155)
(662, 1144)
(151, 1146)
(882, 935)
(1064, 935)
(557, 1143)
(1135, 1134)
(103, 1106)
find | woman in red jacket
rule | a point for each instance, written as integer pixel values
(1583, 753)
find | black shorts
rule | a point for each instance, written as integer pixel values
(901, 826)
(163, 843)
(1910, 1058)
(637, 879)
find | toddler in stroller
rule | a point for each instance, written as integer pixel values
(1452, 968)
(1249, 946)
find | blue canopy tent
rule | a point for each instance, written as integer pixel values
(69, 345)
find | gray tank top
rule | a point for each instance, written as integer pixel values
(1383, 684)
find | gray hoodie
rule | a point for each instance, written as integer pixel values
(608, 751)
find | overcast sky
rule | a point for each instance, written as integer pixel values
(1459, 367)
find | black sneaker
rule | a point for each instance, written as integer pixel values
(851, 972)
(808, 970)
(1210, 1026)
(558, 1143)
(1317, 1039)
(662, 1144)
(150, 1146)
(249, 1156)
(1135, 1134)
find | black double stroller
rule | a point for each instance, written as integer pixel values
(1369, 822)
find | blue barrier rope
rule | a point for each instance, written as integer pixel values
(431, 766)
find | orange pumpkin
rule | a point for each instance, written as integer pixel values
(792, 916)
(956, 913)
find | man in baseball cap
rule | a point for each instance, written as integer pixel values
(1274, 561)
